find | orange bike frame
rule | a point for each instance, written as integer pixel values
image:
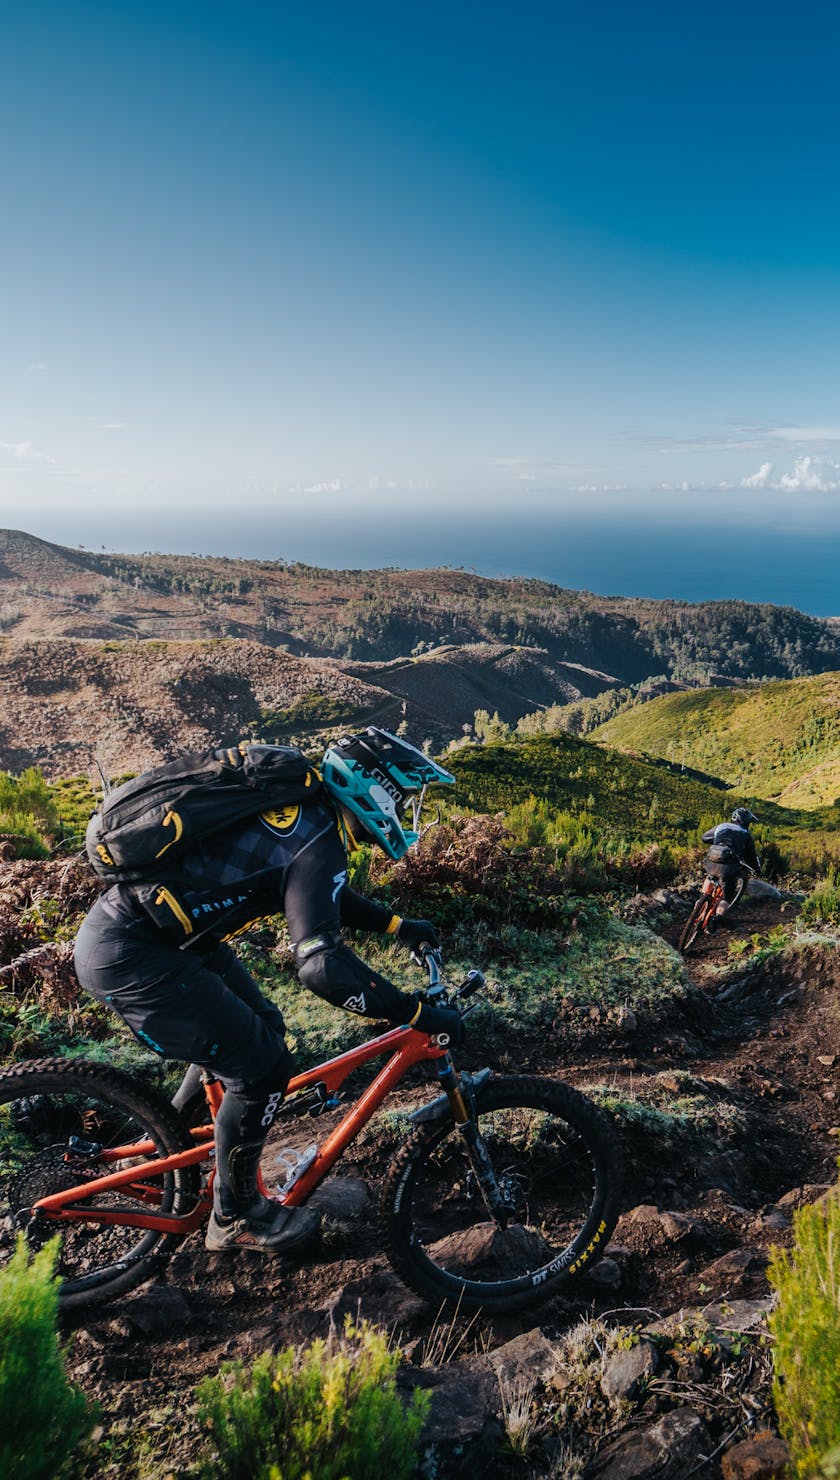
(407, 1048)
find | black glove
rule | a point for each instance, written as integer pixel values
(436, 1020)
(417, 933)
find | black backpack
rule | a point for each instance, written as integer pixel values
(141, 829)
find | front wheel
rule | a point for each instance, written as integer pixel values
(694, 924)
(558, 1166)
(64, 1123)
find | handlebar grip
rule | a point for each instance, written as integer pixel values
(473, 982)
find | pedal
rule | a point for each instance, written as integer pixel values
(293, 1164)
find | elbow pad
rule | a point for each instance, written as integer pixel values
(332, 971)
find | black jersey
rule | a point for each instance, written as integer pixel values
(737, 839)
(290, 861)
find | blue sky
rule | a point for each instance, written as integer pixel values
(474, 255)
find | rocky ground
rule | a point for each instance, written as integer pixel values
(654, 1364)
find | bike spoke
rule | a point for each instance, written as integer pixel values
(60, 1127)
(547, 1181)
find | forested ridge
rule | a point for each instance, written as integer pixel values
(379, 615)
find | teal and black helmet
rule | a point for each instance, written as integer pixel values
(372, 777)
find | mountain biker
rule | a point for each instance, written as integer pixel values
(201, 1005)
(732, 847)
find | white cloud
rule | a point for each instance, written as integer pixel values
(111, 426)
(24, 452)
(35, 368)
(813, 475)
(744, 437)
(810, 475)
(807, 434)
(761, 479)
(333, 486)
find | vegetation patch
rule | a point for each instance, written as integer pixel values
(779, 740)
(311, 712)
(806, 1332)
(43, 1418)
(331, 1410)
(822, 906)
(28, 816)
(657, 1116)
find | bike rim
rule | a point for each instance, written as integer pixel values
(551, 1177)
(38, 1157)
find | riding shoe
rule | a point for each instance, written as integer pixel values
(269, 1228)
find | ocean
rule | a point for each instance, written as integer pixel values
(752, 545)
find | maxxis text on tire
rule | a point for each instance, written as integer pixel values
(410, 1230)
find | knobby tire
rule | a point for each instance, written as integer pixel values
(694, 924)
(558, 1158)
(42, 1103)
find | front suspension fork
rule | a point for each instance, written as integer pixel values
(461, 1098)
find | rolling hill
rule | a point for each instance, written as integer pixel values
(377, 616)
(778, 740)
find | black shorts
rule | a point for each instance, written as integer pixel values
(202, 1008)
(728, 874)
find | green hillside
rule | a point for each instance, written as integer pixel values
(623, 802)
(629, 798)
(779, 741)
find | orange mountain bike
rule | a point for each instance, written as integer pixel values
(504, 1187)
(704, 912)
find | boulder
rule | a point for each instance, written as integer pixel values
(162, 1310)
(529, 1357)
(643, 1213)
(736, 1317)
(666, 1450)
(379, 1295)
(799, 1196)
(760, 889)
(465, 1403)
(764, 1457)
(341, 1197)
(732, 1268)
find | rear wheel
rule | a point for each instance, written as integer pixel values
(58, 1120)
(558, 1166)
(740, 886)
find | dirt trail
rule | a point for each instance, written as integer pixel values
(762, 1043)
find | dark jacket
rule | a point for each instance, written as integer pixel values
(291, 862)
(738, 839)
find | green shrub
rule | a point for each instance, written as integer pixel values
(823, 903)
(806, 1328)
(331, 1411)
(43, 1419)
(27, 812)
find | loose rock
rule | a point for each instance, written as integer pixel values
(764, 1457)
(626, 1369)
(606, 1273)
(667, 1450)
(341, 1197)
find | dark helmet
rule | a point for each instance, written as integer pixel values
(372, 776)
(742, 816)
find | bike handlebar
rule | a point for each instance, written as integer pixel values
(439, 991)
